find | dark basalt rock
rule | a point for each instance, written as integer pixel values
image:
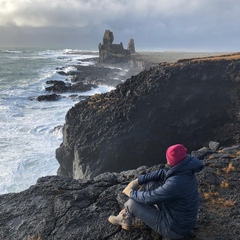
(100, 75)
(189, 102)
(61, 87)
(64, 208)
(113, 53)
(57, 86)
(131, 46)
(48, 97)
(85, 78)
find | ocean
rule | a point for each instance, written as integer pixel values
(30, 131)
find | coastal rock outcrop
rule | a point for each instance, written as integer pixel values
(62, 87)
(84, 78)
(131, 46)
(113, 53)
(47, 97)
(189, 102)
(64, 208)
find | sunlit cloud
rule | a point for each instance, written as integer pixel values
(80, 13)
(155, 20)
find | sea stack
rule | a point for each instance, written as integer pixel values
(111, 53)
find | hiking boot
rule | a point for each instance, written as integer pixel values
(123, 219)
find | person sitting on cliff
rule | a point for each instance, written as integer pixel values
(169, 208)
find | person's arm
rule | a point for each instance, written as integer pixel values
(166, 192)
(158, 175)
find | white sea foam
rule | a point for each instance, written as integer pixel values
(31, 130)
(100, 89)
(70, 69)
(12, 51)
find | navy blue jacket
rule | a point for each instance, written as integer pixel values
(177, 196)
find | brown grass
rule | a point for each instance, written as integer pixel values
(33, 237)
(229, 168)
(171, 56)
(215, 199)
(234, 56)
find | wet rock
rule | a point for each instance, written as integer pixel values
(76, 97)
(48, 97)
(58, 129)
(100, 75)
(62, 87)
(62, 73)
(57, 86)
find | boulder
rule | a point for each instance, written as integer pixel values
(62, 87)
(48, 97)
(57, 86)
(188, 102)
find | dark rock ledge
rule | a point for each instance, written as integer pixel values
(64, 208)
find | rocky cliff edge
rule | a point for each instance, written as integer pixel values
(64, 208)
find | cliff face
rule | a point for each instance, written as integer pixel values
(189, 102)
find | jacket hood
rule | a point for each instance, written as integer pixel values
(188, 165)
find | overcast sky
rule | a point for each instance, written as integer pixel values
(163, 25)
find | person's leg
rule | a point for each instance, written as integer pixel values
(124, 218)
(150, 215)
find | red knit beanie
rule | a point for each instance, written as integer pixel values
(175, 154)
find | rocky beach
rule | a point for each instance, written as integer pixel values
(110, 138)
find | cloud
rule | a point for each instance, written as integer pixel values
(151, 21)
(81, 13)
(44, 13)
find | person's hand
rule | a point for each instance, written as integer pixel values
(133, 185)
(127, 191)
